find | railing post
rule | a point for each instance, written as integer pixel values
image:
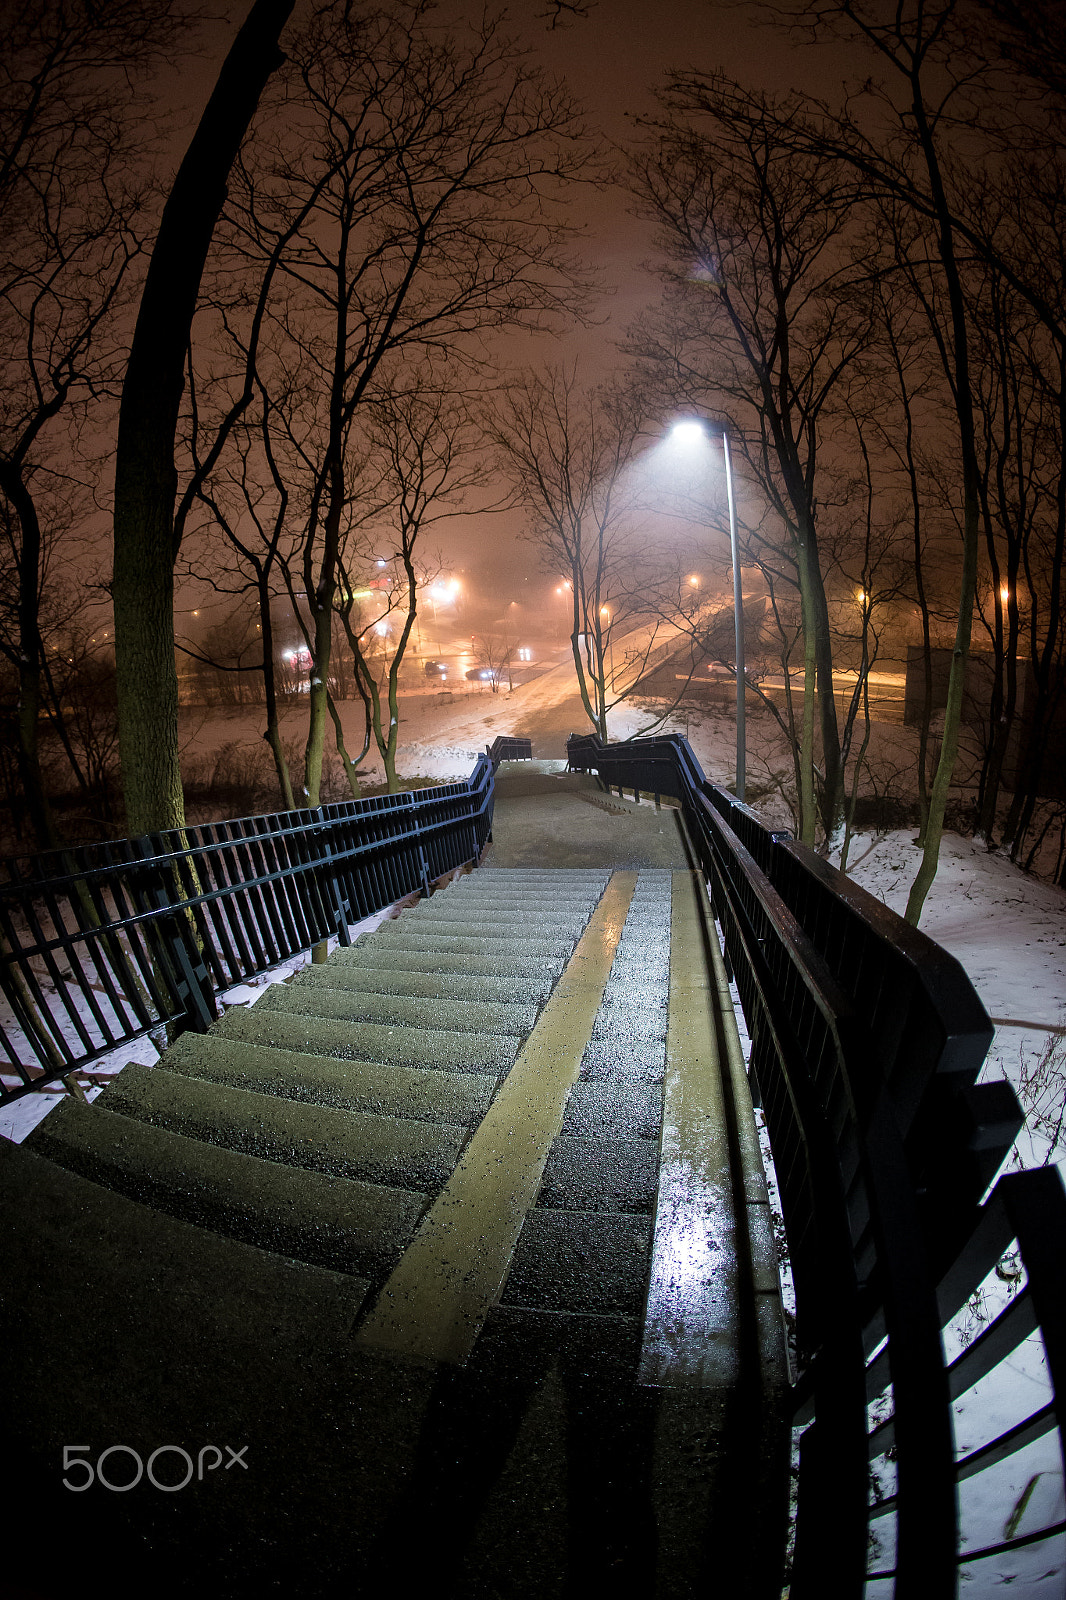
(177, 940)
(338, 904)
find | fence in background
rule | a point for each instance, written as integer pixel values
(101, 944)
(867, 1040)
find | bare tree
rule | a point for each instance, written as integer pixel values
(402, 206)
(421, 443)
(73, 131)
(146, 538)
(565, 451)
(247, 501)
(761, 322)
(896, 137)
(496, 653)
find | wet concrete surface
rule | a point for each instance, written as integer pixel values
(553, 819)
(542, 1466)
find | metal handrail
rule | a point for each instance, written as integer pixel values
(507, 747)
(867, 1039)
(102, 944)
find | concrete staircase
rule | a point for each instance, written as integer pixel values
(210, 1251)
(321, 1121)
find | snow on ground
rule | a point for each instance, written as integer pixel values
(1007, 930)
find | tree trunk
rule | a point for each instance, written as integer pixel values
(30, 661)
(145, 474)
(807, 810)
(351, 771)
(272, 733)
(317, 697)
(818, 649)
(938, 794)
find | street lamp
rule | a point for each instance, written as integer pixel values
(685, 433)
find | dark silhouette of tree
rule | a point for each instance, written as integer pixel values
(899, 138)
(400, 206)
(761, 322)
(565, 451)
(74, 138)
(422, 448)
(145, 472)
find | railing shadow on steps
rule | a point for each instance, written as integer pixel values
(102, 944)
(867, 1039)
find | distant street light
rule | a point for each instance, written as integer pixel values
(690, 433)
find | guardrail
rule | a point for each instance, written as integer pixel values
(505, 747)
(867, 1039)
(102, 944)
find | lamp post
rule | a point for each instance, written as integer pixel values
(681, 431)
(738, 620)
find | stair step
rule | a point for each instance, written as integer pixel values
(532, 900)
(397, 933)
(371, 1041)
(511, 885)
(569, 875)
(384, 1091)
(580, 1261)
(613, 1109)
(396, 1152)
(343, 1224)
(349, 1005)
(428, 985)
(601, 1175)
(644, 1061)
(506, 920)
(471, 903)
(367, 956)
(112, 1260)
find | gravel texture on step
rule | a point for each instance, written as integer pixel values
(585, 1248)
(365, 955)
(486, 922)
(643, 1061)
(345, 1225)
(613, 1110)
(429, 985)
(542, 874)
(385, 1091)
(601, 1175)
(459, 905)
(371, 1041)
(650, 994)
(510, 943)
(628, 1023)
(397, 1152)
(580, 1261)
(414, 1011)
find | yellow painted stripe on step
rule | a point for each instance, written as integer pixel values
(433, 1305)
(691, 1327)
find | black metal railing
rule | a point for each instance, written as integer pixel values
(102, 944)
(506, 747)
(867, 1040)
